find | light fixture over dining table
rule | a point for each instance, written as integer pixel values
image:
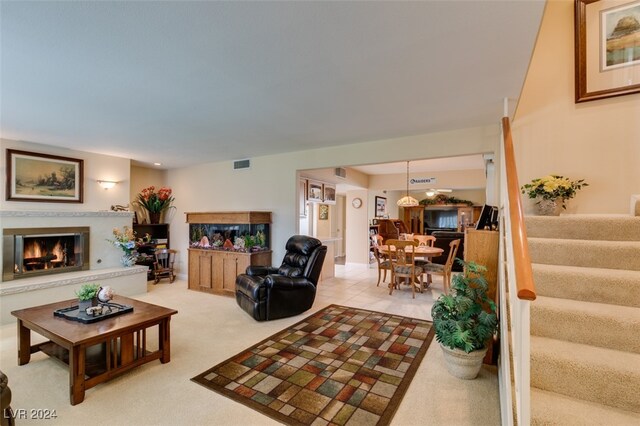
(407, 200)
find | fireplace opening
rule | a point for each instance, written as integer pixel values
(39, 251)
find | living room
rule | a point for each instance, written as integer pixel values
(593, 140)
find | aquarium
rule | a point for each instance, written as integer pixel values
(239, 237)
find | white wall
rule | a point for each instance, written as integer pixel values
(271, 183)
(597, 141)
(96, 167)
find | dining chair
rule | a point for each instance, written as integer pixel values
(424, 240)
(381, 258)
(163, 266)
(401, 254)
(444, 270)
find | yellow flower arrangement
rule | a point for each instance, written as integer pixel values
(553, 187)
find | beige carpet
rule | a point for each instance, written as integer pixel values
(585, 345)
(209, 329)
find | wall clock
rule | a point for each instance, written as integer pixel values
(356, 203)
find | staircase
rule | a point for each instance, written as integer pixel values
(585, 323)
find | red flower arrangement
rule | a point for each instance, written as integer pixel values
(155, 202)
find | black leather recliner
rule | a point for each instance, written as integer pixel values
(268, 293)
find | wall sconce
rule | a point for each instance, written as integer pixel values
(107, 184)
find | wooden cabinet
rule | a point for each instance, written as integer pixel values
(215, 271)
(482, 247)
(160, 237)
(413, 219)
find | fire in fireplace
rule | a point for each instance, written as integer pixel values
(38, 251)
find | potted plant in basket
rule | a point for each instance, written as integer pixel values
(87, 296)
(461, 321)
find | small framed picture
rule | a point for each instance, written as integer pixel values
(314, 191)
(323, 212)
(329, 193)
(33, 176)
(381, 206)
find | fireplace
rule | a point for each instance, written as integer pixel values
(30, 252)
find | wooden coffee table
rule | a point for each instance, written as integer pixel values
(98, 351)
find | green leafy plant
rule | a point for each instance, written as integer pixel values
(553, 187)
(443, 199)
(88, 291)
(460, 319)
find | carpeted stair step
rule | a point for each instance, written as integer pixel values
(586, 372)
(549, 408)
(585, 227)
(586, 253)
(598, 285)
(596, 324)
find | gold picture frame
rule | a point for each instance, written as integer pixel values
(33, 176)
(607, 49)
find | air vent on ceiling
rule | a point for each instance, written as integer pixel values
(241, 164)
(340, 172)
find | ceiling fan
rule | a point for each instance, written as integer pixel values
(431, 192)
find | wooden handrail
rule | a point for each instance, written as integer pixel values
(522, 261)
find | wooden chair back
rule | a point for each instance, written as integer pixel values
(453, 249)
(163, 266)
(425, 240)
(403, 263)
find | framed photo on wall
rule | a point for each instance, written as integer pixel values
(303, 197)
(323, 212)
(33, 176)
(381, 206)
(607, 48)
(329, 193)
(314, 191)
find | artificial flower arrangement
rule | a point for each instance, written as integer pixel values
(127, 241)
(553, 187)
(155, 202)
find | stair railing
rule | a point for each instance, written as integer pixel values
(517, 290)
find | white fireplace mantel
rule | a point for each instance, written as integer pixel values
(75, 213)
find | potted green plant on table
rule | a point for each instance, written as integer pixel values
(87, 296)
(465, 321)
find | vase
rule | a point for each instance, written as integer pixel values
(547, 207)
(84, 304)
(154, 217)
(128, 260)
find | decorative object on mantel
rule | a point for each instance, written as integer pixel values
(551, 192)
(126, 241)
(87, 296)
(444, 199)
(155, 202)
(465, 321)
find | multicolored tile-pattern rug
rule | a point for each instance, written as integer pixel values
(341, 365)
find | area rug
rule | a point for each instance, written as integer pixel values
(341, 365)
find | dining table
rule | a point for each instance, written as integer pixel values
(425, 252)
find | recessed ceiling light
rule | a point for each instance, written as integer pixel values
(157, 164)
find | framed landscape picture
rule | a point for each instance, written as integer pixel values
(41, 177)
(607, 48)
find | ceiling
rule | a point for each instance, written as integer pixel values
(186, 82)
(464, 162)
